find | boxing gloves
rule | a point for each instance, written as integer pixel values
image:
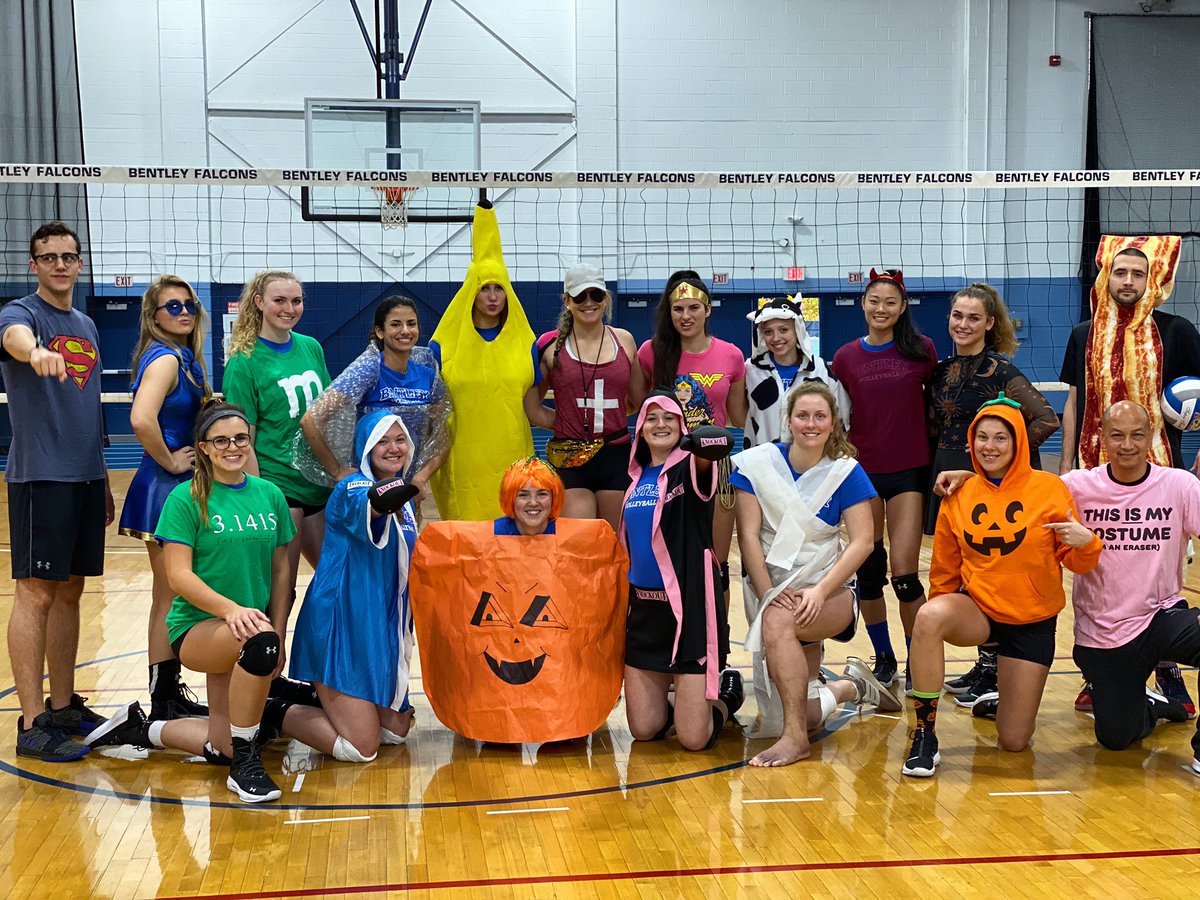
(709, 442)
(390, 494)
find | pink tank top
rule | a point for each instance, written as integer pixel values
(590, 399)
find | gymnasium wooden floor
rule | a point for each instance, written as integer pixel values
(443, 817)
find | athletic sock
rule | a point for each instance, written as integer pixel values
(163, 678)
(880, 639)
(907, 644)
(925, 708)
(154, 732)
(987, 657)
(246, 733)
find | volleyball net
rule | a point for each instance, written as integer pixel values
(750, 235)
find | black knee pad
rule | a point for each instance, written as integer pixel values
(260, 654)
(872, 574)
(908, 588)
(718, 724)
(724, 578)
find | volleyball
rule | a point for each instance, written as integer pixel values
(1179, 400)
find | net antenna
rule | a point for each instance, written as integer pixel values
(393, 205)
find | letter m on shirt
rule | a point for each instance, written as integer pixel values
(306, 384)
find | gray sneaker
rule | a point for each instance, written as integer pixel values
(871, 691)
(46, 741)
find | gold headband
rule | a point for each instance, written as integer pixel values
(685, 291)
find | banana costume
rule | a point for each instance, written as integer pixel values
(487, 381)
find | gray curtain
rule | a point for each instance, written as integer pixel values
(40, 122)
(1143, 71)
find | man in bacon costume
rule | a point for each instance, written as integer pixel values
(1129, 350)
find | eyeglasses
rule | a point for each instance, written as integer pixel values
(222, 442)
(51, 259)
(176, 307)
(595, 295)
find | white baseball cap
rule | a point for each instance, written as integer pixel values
(582, 276)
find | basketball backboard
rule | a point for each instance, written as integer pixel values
(396, 135)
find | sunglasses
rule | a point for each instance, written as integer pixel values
(594, 295)
(51, 259)
(222, 442)
(177, 307)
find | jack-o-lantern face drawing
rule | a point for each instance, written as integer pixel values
(996, 533)
(540, 612)
(521, 637)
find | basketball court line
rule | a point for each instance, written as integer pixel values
(321, 821)
(520, 812)
(1026, 793)
(849, 865)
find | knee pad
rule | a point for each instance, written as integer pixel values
(344, 751)
(390, 738)
(718, 724)
(872, 574)
(908, 588)
(818, 691)
(724, 577)
(260, 654)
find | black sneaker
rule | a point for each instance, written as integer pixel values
(962, 683)
(1169, 682)
(923, 758)
(985, 683)
(75, 718)
(46, 741)
(885, 670)
(247, 777)
(215, 757)
(181, 703)
(985, 706)
(1166, 708)
(296, 693)
(127, 726)
(732, 691)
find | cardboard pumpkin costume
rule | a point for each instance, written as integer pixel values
(522, 637)
(1124, 350)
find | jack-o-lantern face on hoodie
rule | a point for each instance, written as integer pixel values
(996, 530)
(514, 650)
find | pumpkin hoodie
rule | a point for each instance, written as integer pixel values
(990, 541)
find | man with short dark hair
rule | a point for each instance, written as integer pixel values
(59, 501)
(1129, 350)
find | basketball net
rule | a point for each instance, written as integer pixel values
(393, 205)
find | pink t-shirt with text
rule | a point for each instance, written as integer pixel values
(1145, 529)
(703, 380)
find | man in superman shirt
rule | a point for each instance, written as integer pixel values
(59, 502)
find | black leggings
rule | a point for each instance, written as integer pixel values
(1118, 675)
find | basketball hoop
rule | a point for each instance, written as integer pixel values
(393, 205)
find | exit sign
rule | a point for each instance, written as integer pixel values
(720, 278)
(854, 277)
(793, 273)
(123, 280)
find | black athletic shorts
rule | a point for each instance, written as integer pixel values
(56, 529)
(650, 635)
(308, 509)
(846, 634)
(1033, 641)
(608, 470)
(177, 644)
(907, 481)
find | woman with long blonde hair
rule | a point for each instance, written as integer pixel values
(275, 373)
(169, 384)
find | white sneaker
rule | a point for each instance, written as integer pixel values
(871, 691)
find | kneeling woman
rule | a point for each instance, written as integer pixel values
(354, 633)
(224, 537)
(792, 499)
(1002, 539)
(676, 613)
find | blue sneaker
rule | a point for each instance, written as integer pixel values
(46, 741)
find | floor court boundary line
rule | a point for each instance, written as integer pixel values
(705, 871)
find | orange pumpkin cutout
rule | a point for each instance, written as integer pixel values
(996, 532)
(521, 638)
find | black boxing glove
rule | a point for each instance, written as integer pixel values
(390, 494)
(709, 442)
